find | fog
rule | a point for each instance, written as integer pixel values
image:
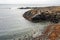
(29, 1)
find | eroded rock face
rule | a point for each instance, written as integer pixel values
(52, 32)
(43, 14)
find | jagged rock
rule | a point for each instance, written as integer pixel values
(52, 32)
(51, 13)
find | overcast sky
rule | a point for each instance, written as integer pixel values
(29, 1)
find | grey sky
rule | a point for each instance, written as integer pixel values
(29, 1)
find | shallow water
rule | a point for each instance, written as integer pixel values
(13, 26)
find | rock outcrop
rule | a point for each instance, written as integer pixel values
(51, 14)
(52, 32)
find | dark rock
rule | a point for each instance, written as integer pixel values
(43, 14)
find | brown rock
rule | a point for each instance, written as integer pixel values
(51, 13)
(52, 32)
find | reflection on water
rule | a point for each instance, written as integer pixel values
(14, 27)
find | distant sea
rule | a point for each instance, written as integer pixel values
(14, 27)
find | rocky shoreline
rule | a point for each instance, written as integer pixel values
(52, 14)
(52, 32)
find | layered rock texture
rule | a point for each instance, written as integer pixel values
(51, 14)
